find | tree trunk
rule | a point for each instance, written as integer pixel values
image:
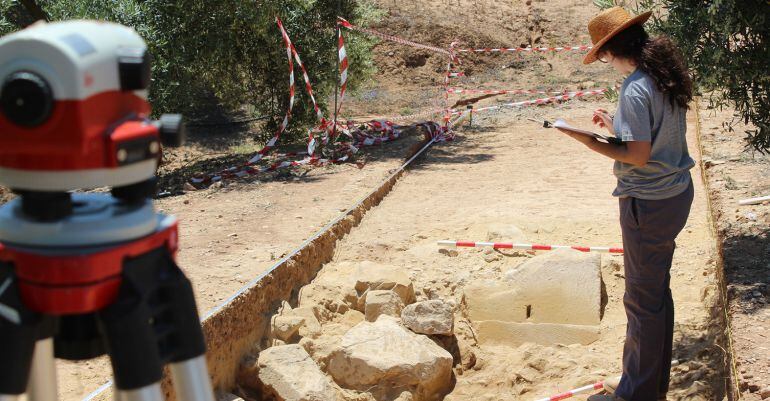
(35, 10)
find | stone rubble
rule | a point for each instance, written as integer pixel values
(429, 317)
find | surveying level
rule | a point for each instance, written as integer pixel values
(87, 274)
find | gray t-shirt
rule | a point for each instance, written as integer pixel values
(646, 114)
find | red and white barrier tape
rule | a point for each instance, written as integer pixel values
(529, 247)
(525, 49)
(387, 132)
(391, 38)
(343, 60)
(326, 128)
(546, 100)
(410, 117)
(308, 86)
(272, 142)
(572, 393)
(458, 91)
(590, 387)
(247, 168)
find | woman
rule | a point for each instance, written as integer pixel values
(654, 188)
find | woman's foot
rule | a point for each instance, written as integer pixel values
(611, 384)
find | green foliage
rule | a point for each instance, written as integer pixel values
(727, 45)
(5, 25)
(635, 6)
(228, 55)
(605, 4)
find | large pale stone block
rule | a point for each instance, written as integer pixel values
(289, 374)
(382, 302)
(540, 301)
(429, 317)
(385, 353)
(511, 333)
(372, 276)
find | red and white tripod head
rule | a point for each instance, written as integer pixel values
(74, 111)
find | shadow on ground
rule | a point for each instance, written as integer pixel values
(747, 270)
(173, 181)
(702, 373)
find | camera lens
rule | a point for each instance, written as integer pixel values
(26, 99)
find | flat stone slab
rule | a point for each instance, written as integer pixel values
(552, 298)
(493, 332)
(289, 374)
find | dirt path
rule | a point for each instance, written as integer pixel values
(229, 235)
(736, 173)
(506, 170)
(556, 192)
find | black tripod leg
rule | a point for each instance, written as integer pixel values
(127, 326)
(20, 329)
(185, 343)
(154, 321)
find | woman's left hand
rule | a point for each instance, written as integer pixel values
(584, 139)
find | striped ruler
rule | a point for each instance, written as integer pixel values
(572, 393)
(529, 247)
(590, 387)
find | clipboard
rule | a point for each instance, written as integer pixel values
(559, 123)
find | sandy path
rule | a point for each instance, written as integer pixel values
(557, 193)
(230, 235)
(735, 173)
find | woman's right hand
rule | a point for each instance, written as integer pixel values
(603, 119)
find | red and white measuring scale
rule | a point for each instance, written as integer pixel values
(529, 247)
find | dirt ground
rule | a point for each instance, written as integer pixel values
(503, 169)
(514, 173)
(737, 173)
(230, 234)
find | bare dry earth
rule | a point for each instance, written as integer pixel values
(511, 172)
(229, 235)
(410, 80)
(736, 173)
(548, 187)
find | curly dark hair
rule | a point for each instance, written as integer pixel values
(658, 57)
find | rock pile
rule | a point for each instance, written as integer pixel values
(364, 340)
(384, 354)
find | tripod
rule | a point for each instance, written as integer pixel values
(96, 276)
(83, 275)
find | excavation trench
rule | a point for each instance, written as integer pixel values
(525, 325)
(232, 329)
(536, 342)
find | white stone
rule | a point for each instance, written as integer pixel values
(553, 297)
(286, 327)
(382, 302)
(311, 327)
(502, 232)
(289, 374)
(373, 276)
(385, 353)
(429, 317)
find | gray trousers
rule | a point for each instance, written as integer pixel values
(649, 229)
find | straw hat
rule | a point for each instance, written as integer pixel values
(607, 24)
